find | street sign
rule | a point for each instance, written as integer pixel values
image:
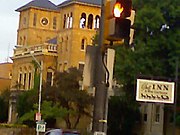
(155, 91)
(99, 133)
(38, 116)
(40, 126)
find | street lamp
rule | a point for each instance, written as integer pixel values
(40, 65)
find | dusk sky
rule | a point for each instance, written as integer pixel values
(9, 19)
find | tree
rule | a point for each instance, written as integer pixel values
(25, 102)
(66, 91)
(4, 104)
(157, 37)
(156, 43)
(49, 112)
(121, 115)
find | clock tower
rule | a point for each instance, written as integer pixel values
(37, 22)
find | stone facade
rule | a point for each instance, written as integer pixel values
(54, 37)
(5, 76)
(64, 25)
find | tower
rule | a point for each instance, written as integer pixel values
(38, 22)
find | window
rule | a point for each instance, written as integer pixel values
(20, 79)
(65, 66)
(49, 78)
(24, 80)
(34, 19)
(83, 20)
(157, 113)
(20, 41)
(61, 45)
(66, 44)
(24, 40)
(83, 43)
(64, 23)
(90, 21)
(97, 22)
(60, 68)
(44, 21)
(24, 21)
(29, 81)
(67, 21)
(70, 20)
(54, 22)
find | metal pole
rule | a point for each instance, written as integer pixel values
(40, 90)
(101, 89)
(40, 87)
(175, 100)
(40, 84)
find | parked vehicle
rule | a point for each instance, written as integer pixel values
(61, 132)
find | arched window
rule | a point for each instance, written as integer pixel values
(24, 41)
(97, 22)
(66, 44)
(90, 21)
(64, 23)
(49, 80)
(20, 41)
(83, 44)
(61, 45)
(54, 22)
(70, 20)
(34, 19)
(83, 20)
(67, 21)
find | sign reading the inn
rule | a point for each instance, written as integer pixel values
(155, 91)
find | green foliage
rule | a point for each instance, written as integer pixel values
(25, 102)
(95, 39)
(4, 104)
(63, 100)
(36, 75)
(122, 114)
(66, 92)
(156, 49)
(178, 119)
(48, 111)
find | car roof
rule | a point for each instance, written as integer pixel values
(54, 130)
(62, 131)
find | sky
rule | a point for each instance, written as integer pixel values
(9, 21)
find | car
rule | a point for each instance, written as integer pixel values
(61, 132)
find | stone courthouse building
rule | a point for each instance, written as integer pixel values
(56, 36)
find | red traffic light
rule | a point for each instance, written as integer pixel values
(118, 9)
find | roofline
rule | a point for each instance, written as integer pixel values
(77, 2)
(3, 63)
(25, 8)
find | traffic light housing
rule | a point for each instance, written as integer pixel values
(119, 20)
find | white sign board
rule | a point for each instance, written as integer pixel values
(99, 133)
(40, 127)
(155, 91)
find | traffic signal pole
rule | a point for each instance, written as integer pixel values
(100, 104)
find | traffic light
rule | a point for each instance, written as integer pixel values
(121, 8)
(119, 20)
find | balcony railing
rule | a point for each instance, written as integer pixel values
(47, 49)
